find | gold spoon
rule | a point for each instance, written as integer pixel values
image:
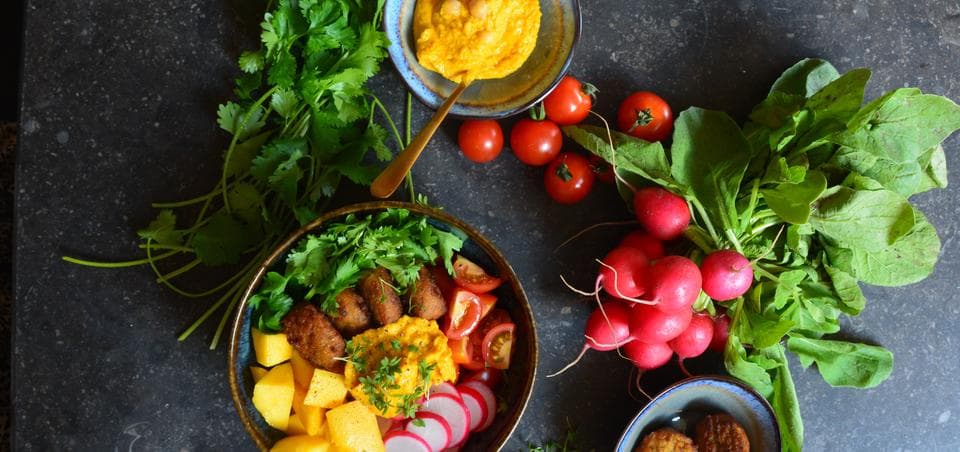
(391, 177)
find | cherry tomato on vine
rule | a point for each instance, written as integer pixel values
(570, 102)
(568, 178)
(645, 115)
(480, 140)
(535, 142)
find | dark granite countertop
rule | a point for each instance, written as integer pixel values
(118, 110)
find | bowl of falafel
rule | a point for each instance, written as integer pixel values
(704, 413)
(375, 323)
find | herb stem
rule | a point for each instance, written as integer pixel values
(157, 246)
(190, 265)
(233, 144)
(393, 125)
(703, 216)
(699, 237)
(203, 317)
(120, 264)
(223, 320)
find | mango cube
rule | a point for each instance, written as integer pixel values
(353, 427)
(271, 349)
(310, 417)
(258, 373)
(301, 443)
(273, 396)
(295, 427)
(326, 390)
(302, 369)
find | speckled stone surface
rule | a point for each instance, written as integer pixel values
(119, 104)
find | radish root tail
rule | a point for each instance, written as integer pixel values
(616, 287)
(573, 363)
(684, 368)
(574, 289)
(592, 227)
(613, 153)
(639, 387)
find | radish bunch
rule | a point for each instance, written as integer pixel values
(446, 420)
(651, 314)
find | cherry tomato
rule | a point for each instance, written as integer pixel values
(498, 345)
(601, 169)
(472, 277)
(568, 178)
(534, 142)
(570, 102)
(494, 318)
(646, 116)
(487, 302)
(463, 315)
(480, 140)
(467, 352)
(488, 376)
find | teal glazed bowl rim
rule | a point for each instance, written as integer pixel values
(631, 436)
(518, 387)
(410, 70)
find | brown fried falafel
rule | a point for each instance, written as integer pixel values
(353, 315)
(312, 334)
(721, 433)
(426, 301)
(666, 440)
(377, 287)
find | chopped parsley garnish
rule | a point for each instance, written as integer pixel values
(380, 384)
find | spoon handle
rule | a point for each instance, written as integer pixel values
(391, 177)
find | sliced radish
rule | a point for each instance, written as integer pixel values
(475, 404)
(445, 388)
(433, 428)
(404, 441)
(452, 410)
(486, 395)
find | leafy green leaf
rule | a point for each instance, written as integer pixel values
(844, 364)
(284, 102)
(222, 240)
(934, 173)
(633, 155)
(805, 78)
(244, 153)
(237, 121)
(863, 219)
(785, 404)
(163, 230)
(791, 202)
(251, 62)
(841, 98)
(848, 289)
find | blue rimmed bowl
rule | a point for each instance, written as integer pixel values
(682, 405)
(493, 98)
(517, 385)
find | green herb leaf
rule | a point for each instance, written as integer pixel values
(222, 240)
(805, 78)
(163, 230)
(792, 201)
(844, 364)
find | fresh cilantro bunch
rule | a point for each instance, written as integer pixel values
(301, 121)
(815, 188)
(324, 264)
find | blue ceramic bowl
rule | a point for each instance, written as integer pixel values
(494, 98)
(517, 384)
(682, 405)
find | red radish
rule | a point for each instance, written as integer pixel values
(432, 428)
(727, 274)
(642, 241)
(721, 329)
(623, 272)
(452, 410)
(388, 425)
(488, 376)
(647, 356)
(663, 214)
(444, 388)
(478, 389)
(404, 441)
(674, 283)
(476, 407)
(653, 326)
(694, 340)
(608, 328)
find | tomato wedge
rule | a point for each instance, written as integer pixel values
(487, 302)
(444, 281)
(463, 314)
(498, 345)
(467, 353)
(472, 277)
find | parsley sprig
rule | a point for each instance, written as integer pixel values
(380, 384)
(324, 264)
(300, 122)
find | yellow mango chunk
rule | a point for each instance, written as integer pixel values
(311, 417)
(295, 427)
(326, 390)
(271, 349)
(273, 396)
(353, 427)
(301, 443)
(302, 369)
(258, 373)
